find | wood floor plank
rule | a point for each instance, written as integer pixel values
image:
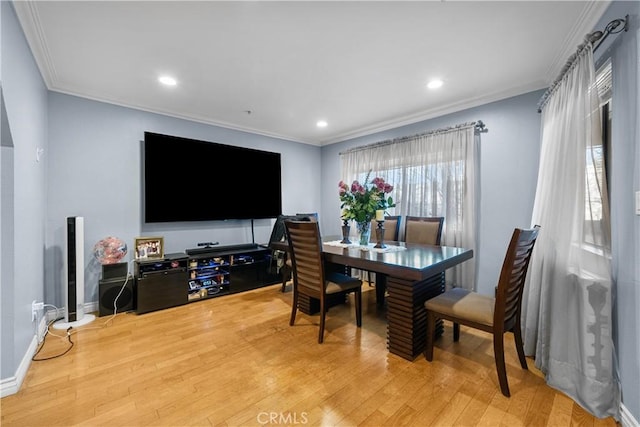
(561, 410)
(451, 411)
(480, 398)
(429, 412)
(581, 417)
(521, 398)
(541, 405)
(235, 361)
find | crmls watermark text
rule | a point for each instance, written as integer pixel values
(288, 418)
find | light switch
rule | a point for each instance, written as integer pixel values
(637, 202)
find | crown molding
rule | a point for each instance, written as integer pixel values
(585, 24)
(29, 19)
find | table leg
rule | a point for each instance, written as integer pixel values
(406, 315)
(381, 288)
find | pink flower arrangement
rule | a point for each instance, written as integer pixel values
(361, 201)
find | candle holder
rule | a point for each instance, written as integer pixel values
(380, 235)
(345, 232)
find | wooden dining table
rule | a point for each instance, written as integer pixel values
(410, 273)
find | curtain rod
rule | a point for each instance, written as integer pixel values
(596, 36)
(479, 126)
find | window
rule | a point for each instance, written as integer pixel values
(597, 158)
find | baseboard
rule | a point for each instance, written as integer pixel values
(42, 328)
(626, 418)
(89, 307)
(11, 385)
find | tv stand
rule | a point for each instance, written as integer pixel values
(201, 273)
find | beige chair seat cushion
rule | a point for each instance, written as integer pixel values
(337, 282)
(465, 304)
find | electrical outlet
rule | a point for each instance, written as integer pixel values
(35, 307)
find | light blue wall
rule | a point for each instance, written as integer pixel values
(95, 172)
(25, 97)
(509, 169)
(624, 182)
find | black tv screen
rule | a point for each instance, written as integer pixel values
(190, 180)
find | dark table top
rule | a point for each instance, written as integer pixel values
(415, 262)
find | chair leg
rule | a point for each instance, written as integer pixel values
(498, 352)
(294, 308)
(286, 275)
(369, 278)
(431, 331)
(517, 334)
(358, 295)
(323, 313)
(456, 332)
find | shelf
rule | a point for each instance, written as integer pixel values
(206, 275)
(169, 282)
(208, 267)
(213, 290)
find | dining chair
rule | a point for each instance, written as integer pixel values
(391, 233)
(288, 268)
(309, 276)
(495, 315)
(391, 229)
(423, 229)
(311, 216)
(278, 257)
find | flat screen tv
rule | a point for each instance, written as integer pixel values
(191, 180)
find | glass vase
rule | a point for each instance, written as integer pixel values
(364, 232)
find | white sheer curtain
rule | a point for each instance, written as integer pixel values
(434, 174)
(567, 316)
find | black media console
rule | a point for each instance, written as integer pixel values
(200, 274)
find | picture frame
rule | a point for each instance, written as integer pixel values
(149, 247)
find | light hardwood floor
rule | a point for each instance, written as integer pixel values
(235, 361)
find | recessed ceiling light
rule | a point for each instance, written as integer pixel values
(434, 84)
(321, 124)
(167, 80)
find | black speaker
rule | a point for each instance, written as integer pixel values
(108, 291)
(114, 271)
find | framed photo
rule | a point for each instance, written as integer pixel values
(149, 247)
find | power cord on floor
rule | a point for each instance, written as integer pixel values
(36, 359)
(71, 330)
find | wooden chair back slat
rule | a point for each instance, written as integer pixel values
(512, 278)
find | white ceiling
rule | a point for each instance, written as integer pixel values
(362, 66)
